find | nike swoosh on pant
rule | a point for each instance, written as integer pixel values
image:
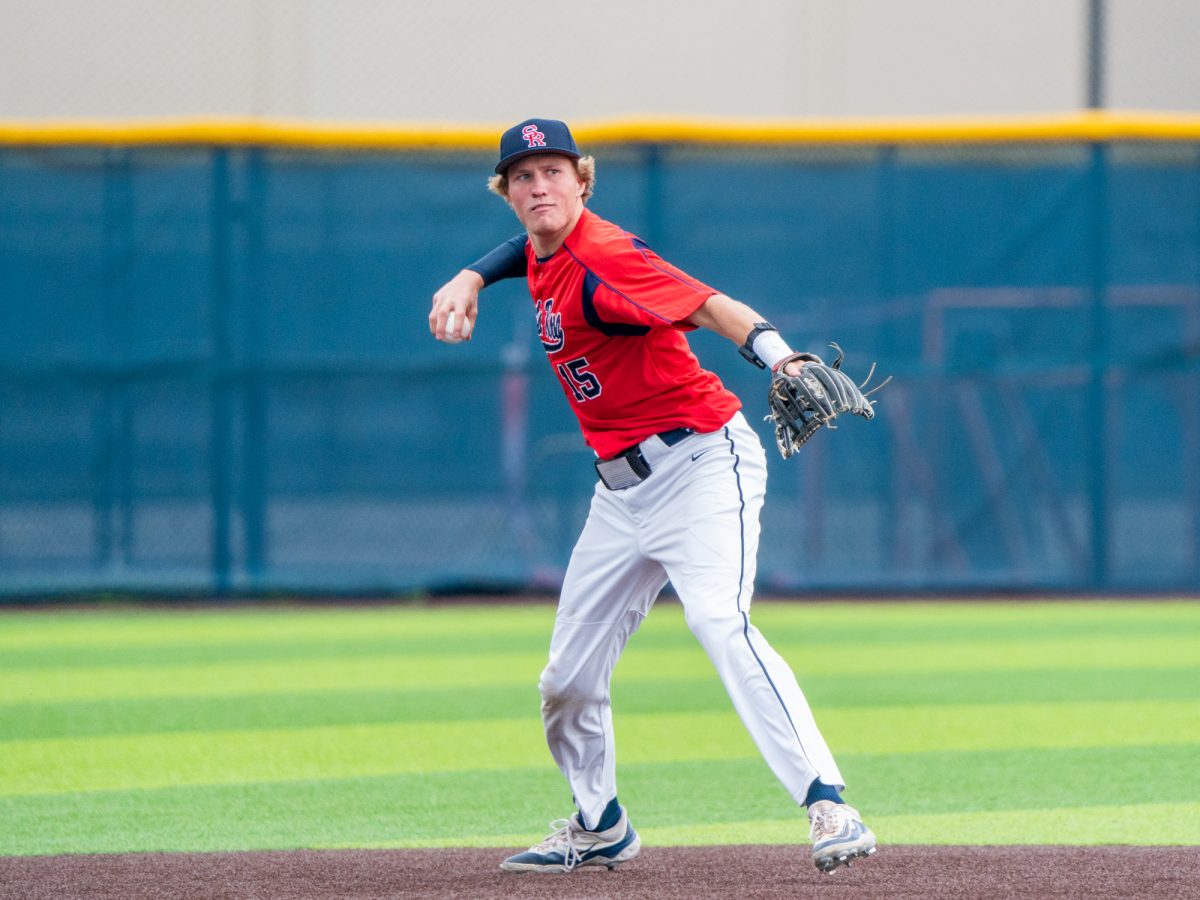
(696, 456)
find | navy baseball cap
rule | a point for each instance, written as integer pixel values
(535, 136)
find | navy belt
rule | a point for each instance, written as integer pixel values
(674, 436)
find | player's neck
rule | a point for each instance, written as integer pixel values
(546, 245)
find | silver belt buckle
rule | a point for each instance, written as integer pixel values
(623, 471)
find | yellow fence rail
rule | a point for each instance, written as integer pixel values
(1092, 126)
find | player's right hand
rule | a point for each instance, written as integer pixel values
(455, 306)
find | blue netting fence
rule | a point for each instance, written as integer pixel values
(216, 376)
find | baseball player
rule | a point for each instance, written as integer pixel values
(681, 480)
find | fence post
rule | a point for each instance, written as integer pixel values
(1099, 353)
(254, 404)
(219, 370)
(113, 500)
(891, 528)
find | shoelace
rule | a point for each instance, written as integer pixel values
(827, 822)
(561, 841)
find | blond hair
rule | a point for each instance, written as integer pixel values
(585, 168)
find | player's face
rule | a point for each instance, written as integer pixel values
(545, 193)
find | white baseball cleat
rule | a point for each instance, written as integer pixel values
(570, 847)
(838, 835)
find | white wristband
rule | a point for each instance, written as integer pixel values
(770, 348)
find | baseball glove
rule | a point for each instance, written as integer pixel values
(800, 404)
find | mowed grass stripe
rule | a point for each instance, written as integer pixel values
(192, 637)
(150, 761)
(442, 809)
(132, 627)
(799, 640)
(429, 670)
(179, 653)
(435, 669)
(94, 638)
(21, 721)
(936, 781)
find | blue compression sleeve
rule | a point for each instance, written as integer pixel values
(506, 261)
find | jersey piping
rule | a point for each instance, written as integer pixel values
(623, 296)
(591, 281)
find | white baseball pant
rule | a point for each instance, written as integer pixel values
(693, 521)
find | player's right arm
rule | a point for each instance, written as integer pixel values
(460, 295)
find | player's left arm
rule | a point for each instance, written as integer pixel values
(739, 323)
(805, 393)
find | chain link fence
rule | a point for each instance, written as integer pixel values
(216, 376)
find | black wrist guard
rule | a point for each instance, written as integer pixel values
(747, 349)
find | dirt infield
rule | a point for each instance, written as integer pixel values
(692, 872)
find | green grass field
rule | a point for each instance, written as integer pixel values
(254, 728)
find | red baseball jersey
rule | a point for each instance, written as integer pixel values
(610, 316)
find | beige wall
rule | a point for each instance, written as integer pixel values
(1154, 54)
(472, 61)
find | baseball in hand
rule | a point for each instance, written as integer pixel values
(453, 335)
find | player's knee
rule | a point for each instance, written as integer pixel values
(714, 621)
(559, 690)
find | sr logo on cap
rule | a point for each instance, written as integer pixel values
(535, 137)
